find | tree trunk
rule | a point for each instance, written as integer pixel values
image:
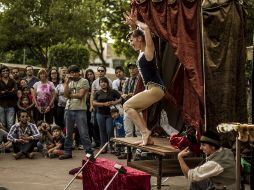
(98, 49)
(38, 52)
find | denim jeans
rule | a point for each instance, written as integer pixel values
(79, 118)
(105, 123)
(25, 148)
(130, 129)
(7, 117)
(205, 184)
(96, 131)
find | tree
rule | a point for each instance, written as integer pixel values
(69, 53)
(37, 25)
(118, 30)
(106, 16)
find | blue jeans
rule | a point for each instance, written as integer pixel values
(7, 117)
(205, 184)
(105, 123)
(79, 118)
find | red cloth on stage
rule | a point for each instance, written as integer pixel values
(96, 176)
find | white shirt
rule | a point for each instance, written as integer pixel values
(206, 170)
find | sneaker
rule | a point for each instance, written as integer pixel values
(17, 155)
(104, 151)
(95, 145)
(89, 151)
(113, 152)
(136, 156)
(122, 156)
(30, 155)
(65, 156)
(117, 153)
(80, 147)
(44, 153)
(74, 145)
(51, 155)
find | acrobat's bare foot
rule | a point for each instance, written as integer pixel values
(149, 142)
(141, 142)
(146, 137)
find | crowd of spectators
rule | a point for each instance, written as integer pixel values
(62, 109)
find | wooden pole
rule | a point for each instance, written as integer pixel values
(252, 114)
(238, 161)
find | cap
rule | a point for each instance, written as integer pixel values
(73, 68)
(211, 138)
(131, 64)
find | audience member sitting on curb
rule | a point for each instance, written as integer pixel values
(45, 137)
(119, 129)
(23, 136)
(4, 144)
(56, 148)
(218, 170)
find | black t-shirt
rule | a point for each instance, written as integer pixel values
(59, 140)
(101, 96)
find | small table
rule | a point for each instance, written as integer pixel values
(96, 175)
(159, 168)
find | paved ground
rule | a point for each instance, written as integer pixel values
(52, 174)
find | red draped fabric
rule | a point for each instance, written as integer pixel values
(96, 176)
(177, 21)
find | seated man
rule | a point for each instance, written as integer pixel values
(217, 172)
(23, 136)
(4, 144)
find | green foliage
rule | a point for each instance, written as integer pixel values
(20, 56)
(118, 30)
(69, 53)
(37, 25)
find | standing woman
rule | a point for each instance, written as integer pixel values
(54, 77)
(44, 95)
(61, 100)
(141, 40)
(90, 76)
(103, 100)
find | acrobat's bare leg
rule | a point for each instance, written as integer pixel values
(140, 123)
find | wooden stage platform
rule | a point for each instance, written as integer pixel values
(160, 167)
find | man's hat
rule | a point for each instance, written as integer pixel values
(210, 138)
(131, 64)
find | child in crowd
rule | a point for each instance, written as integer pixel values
(56, 148)
(46, 137)
(5, 145)
(119, 128)
(25, 100)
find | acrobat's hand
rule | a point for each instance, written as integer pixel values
(130, 19)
